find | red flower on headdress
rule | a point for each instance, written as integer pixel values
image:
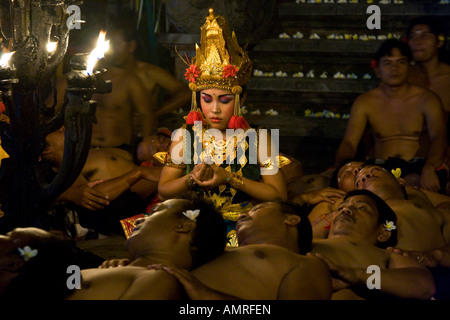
(229, 71)
(2, 107)
(192, 73)
(373, 63)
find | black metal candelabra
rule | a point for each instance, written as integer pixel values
(24, 195)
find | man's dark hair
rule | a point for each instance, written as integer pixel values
(304, 228)
(391, 44)
(385, 213)
(435, 25)
(209, 237)
(45, 275)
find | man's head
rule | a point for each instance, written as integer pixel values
(344, 175)
(426, 37)
(393, 59)
(363, 215)
(54, 147)
(171, 224)
(42, 272)
(276, 222)
(159, 142)
(381, 182)
(123, 41)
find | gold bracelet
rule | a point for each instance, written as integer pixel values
(236, 181)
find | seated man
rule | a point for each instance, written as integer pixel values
(406, 121)
(426, 38)
(183, 232)
(110, 184)
(274, 236)
(361, 229)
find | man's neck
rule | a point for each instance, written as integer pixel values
(431, 66)
(284, 243)
(143, 259)
(393, 92)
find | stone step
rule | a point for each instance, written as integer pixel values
(310, 85)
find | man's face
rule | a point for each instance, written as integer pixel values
(393, 68)
(424, 44)
(158, 226)
(54, 147)
(346, 175)
(356, 216)
(259, 222)
(119, 51)
(378, 180)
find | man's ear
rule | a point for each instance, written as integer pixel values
(402, 182)
(292, 220)
(383, 234)
(186, 226)
(15, 262)
(441, 40)
(377, 71)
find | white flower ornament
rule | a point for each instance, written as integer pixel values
(27, 253)
(397, 173)
(390, 225)
(191, 214)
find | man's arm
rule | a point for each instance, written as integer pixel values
(180, 95)
(403, 278)
(354, 131)
(406, 278)
(193, 287)
(434, 117)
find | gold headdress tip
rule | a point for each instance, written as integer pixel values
(220, 62)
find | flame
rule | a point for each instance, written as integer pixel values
(4, 60)
(98, 53)
(51, 46)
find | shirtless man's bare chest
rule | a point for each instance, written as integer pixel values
(114, 113)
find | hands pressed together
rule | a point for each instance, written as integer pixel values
(209, 176)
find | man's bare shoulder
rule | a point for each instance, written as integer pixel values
(367, 99)
(371, 94)
(151, 69)
(425, 95)
(444, 69)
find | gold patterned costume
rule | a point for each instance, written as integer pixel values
(220, 63)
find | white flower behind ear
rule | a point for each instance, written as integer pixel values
(192, 214)
(27, 253)
(390, 225)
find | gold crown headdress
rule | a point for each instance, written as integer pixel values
(219, 63)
